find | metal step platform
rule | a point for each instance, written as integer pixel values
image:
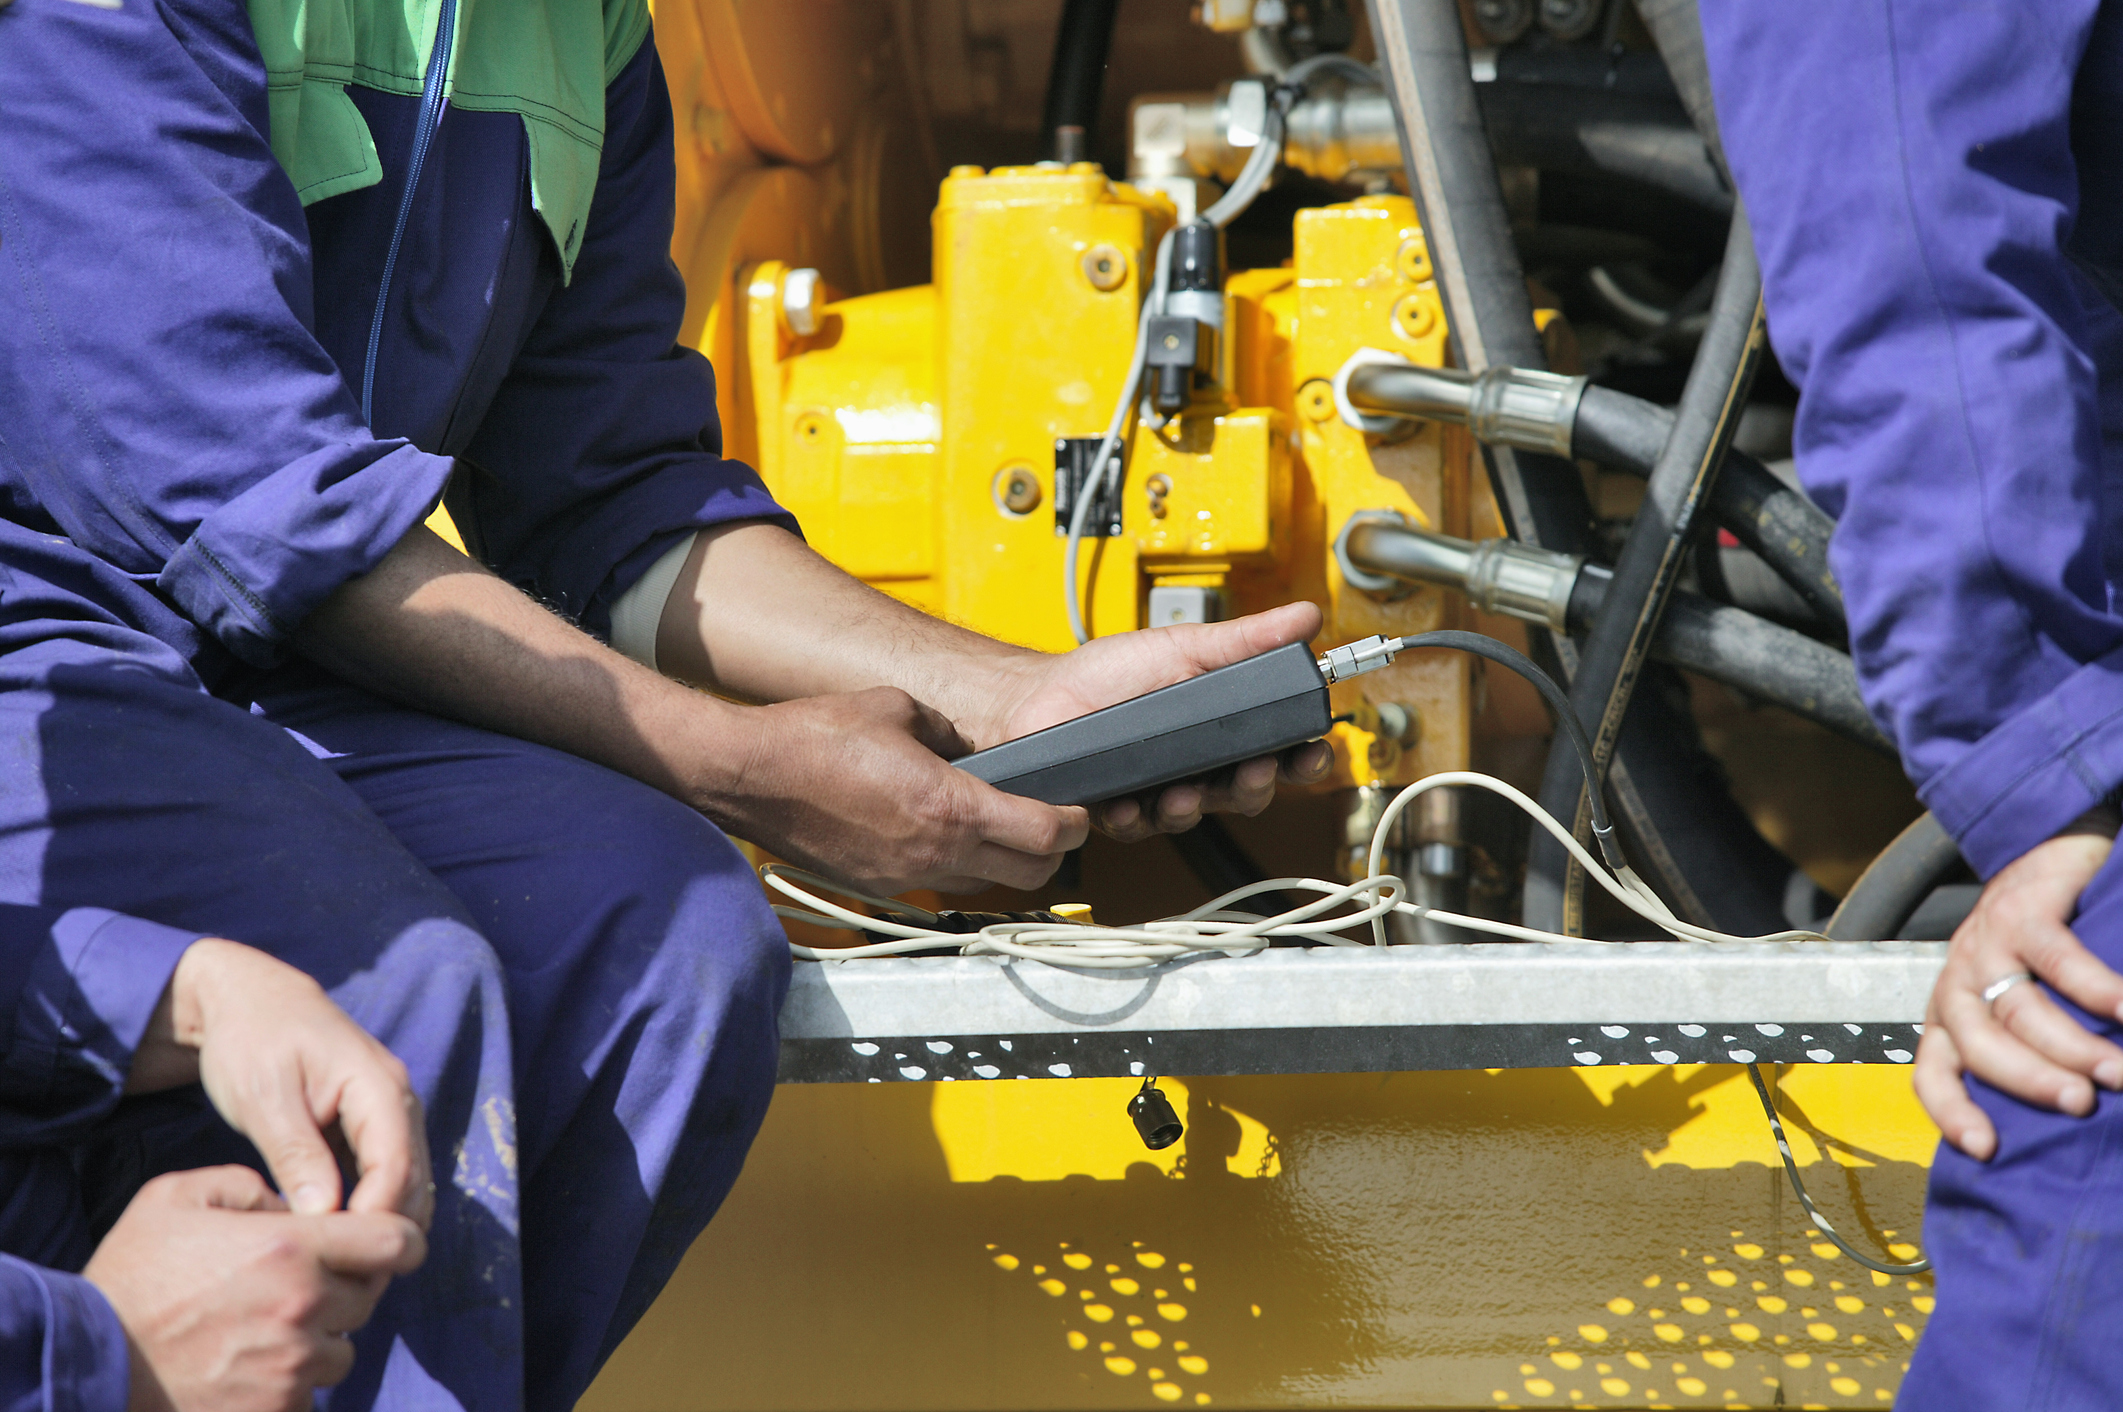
(1359, 1010)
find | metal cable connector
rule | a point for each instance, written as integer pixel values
(1521, 407)
(1356, 658)
(1378, 549)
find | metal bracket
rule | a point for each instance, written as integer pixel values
(1072, 470)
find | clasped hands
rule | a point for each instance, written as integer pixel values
(234, 1298)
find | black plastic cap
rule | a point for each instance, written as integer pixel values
(1197, 257)
(1154, 1119)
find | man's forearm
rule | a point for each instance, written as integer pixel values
(756, 613)
(432, 629)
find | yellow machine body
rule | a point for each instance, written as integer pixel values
(1612, 1236)
(895, 430)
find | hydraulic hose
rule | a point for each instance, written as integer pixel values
(1889, 891)
(1716, 640)
(1642, 139)
(1778, 523)
(1696, 845)
(1077, 78)
(1752, 655)
(1652, 559)
(1787, 530)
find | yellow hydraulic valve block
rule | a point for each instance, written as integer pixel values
(914, 433)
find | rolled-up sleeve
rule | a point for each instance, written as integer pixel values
(602, 447)
(1909, 170)
(77, 989)
(62, 1348)
(163, 398)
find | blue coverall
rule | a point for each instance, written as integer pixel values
(579, 971)
(1937, 196)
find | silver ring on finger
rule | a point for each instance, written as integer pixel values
(2002, 984)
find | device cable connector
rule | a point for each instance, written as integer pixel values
(1356, 658)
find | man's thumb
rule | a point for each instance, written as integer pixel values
(285, 1134)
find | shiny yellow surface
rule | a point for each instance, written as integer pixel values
(1612, 1237)
(1606, 1237)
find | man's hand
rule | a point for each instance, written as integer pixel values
(232, 1305)
(286, 1067)
(1113, 669)
(857, 786)
(2023, 1042)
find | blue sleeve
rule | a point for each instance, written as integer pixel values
(77, 989)
(603, 446)
(62, 1348)
(1908, 167)
(163, 398)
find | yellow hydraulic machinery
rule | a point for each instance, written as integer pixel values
(928, 437)
(923, 360)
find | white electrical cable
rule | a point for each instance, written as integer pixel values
(1215, 926)
(1252, 178)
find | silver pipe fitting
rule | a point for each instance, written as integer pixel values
(1498, 575)
(1335, 130)
(1533, 411)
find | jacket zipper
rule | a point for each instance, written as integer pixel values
(432, 103)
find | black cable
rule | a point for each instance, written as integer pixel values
(1558, 701)
(1791, 1170)
(1789, 532)
(1892, 887)
(1751, 654)
(1697, 847)
(1077, 77)
(1619, 644)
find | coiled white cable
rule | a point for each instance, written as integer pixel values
(1216, 926)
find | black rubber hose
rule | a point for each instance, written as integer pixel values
(1750, 654)
(1651, 561)
(1787, 530)
(1677, 29)
(1488, 310)
(1693, 843)
(1888, 893)
(1077, 78)
(1626, 135)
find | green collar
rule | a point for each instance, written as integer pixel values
(548, 61)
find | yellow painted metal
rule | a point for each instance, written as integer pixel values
(892, 431)
(1610, 1237)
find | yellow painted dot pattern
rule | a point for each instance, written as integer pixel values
(1773, 1345)
(1145, 1315)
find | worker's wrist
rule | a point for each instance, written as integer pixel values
(982, 693)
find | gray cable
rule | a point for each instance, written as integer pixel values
(1791, 1169)
(1252, 178)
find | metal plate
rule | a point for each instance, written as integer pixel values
(1354, 1010)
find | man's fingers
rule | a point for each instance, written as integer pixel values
(368, 1243)
(992, 865)
(229, 1188)
(1216, 645)
(1945, 1097)
(382, 1120)
(1026, 825)
(331, 1360)
(347, 1301)
(2058, 957)
(1307, 763)
(2036, 1019)
(276, 1117)
(2003, 1061)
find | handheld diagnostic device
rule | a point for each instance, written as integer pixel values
(1255, 707)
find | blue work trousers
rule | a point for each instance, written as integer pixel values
(579, 972)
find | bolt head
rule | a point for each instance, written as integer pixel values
(803, 298)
